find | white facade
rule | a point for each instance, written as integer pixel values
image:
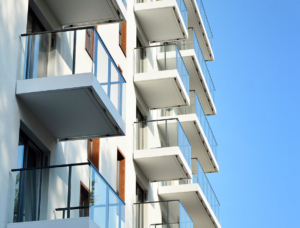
(30, 115)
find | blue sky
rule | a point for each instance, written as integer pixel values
(256, 74)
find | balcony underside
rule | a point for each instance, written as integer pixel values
(197, 81)
(84, 222)
(88, 12)
(194, 201)
(162, 164)
(161, 20)
(72, 106)
(162, 89)
(195, 21)
(199, 144)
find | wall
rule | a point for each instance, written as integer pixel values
(13, 17)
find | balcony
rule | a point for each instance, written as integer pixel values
(161, 214)
(162, 150)
(161, 82)
(197, 197)
(197, 19)
(74, 195)
(72, 85)
(200, 78)
(162, 20)
(83, 13)
(196, 126)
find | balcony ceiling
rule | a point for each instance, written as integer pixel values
(87, 12)
(160, 20)
(72, 106)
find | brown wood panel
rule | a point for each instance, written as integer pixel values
(93, 151)
(124, 37)
(122, 160)
(96, 153)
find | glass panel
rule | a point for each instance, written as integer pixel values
(106, 207)
(162, 214)
(200, 177)
(195, 107)
(184, 144)
(162, 133)
(42, 194)
(161, 58)
(193, 43)
(183, 11)
(185, 219)
(205, 20)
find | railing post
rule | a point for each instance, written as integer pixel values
(69, 192)
(167, 138)
(74, 52)
(168, 225)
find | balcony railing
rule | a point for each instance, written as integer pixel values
(193, 43)
(162, 214)
(154, 58)
(205, 20)
(201, 178)
(162, 133)
(73, 51)
(195, 107)
(66, 191)
(181, 6)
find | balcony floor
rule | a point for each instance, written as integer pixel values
(162, 89)
(71, 106)
(84, 222)
(161, 20)
(194, 201)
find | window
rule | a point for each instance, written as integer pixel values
(139, 115)
(93, 152)
(121, 174)
(89, 41)
(84, 200)
(140, 194)
(122, 36)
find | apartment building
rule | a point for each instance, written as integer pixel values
(104, 111)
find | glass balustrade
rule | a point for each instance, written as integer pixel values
(161, 214)
(66, 191)
(195, 108)
(201, 178)
(162, 133)
(73, 51)
(158, 58)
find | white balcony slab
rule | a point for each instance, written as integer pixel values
(162, 89)
(87, 12)
(195, 20)
(199, 143)
(71, 106)
(161, 20)
(162, 164)
(194, 201)
(84, 222)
